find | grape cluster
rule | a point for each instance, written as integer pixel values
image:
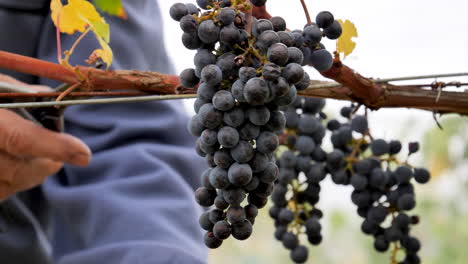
(242, 81)
(383, 185)
(302, 168)
(243, 76)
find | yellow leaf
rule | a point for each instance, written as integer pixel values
(77, 15)
(345, 44)
(105, 53)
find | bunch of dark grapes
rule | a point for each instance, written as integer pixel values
(243, 78)
(383, 185)
(302, 168)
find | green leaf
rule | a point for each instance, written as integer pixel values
(113, 7)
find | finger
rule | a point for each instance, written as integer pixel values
(23, 174)
(23, 138)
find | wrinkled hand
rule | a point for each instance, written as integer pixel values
(30, 153)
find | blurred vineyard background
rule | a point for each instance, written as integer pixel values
(441, 205)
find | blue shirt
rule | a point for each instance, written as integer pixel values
(134, 203)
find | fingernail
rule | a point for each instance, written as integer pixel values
(81, 159)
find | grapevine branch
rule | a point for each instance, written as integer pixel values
(356, 88)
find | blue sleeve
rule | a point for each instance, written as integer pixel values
(134, 203)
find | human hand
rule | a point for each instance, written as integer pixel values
(30, 153)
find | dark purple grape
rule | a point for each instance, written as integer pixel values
(324, 19)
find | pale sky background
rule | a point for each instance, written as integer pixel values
(396, 38)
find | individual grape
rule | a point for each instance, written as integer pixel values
(259, 162)
(252, 185)
(199, 103)
(216, 215)
(188, 24)
(211, 241)
(195, 126)
(270, 174)
(312, 35)
(395, 147)
(211, 75)
(406, 202)
(240, 174)
(359, 124)
(271, 72)
(203, 57)
(238, 91)
(258, 115)
(278, 54)
(279, 24)
(247, 73)
(333, 31)
(177, 11)
(285, 216)
(290, 240)
(257, 200)
(206, 92)
(298, 38)
(308, 124)
(204, 196)
(321, 60)
(229, 35)
(191, 41)
(223, 159)
(295, 55)
(286, 38)
(219, 178)
(293, 73)
(227, 15)
(223, 100)
(315, 240)
(188, 78)
(413, 147)
(403, 174)
(222, 230)
(411, 244)
(305, 145)
(380, 244)
(210, 117)
(228, 137)
(266, 39)
(261, 26)
(249, 131)
(234, 117)
(267, 142)
(421, 175)
(236, 215)
(205, 222)
(208, 32)
(359, 182)
(220, 203)
(243, 152)
(256, 91)
(234, 195)
(242, 231)
(377, 178)
(379, 147)
(324, 19)
(209, 137)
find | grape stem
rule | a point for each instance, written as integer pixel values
(306, 11)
